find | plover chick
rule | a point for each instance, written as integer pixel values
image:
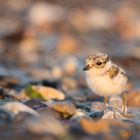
(105, 78)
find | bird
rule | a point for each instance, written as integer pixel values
(105, 78)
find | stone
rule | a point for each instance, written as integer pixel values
(56, 72)
(125, 134)
(116, 102)
(49, 93)
(42, 12)
(5, 116)
(9, 26)
(77, 18)
(104, 126)
(40, 73)
(17, 107)
(98, 18)
(21, 117)
(8, 82)
(80, 113)
(67, 45)
(94, 127)
(69, 84)
(70, 65)
(35, 104)
(46, 125)
(28, 46)
(108, 115)
(97, 106)
(66, 109)
(95, 115)
(113, 114)
(134, 98)
(83, 106)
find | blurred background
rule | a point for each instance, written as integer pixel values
(47, 39)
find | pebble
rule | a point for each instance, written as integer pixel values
(46, 125)
(9, 26)
(125, 134)
(65, 108)
(134, 98)
(83, 107)
(116, 102)
(69, 84)
(77, 18)
(56, 72)
(80, 113)
(29, 46)
(98, 18)
(95, 115)
(42, 12)
(5, 115)
(70, 65)
(17, 107)
(35, 104)
(104, 126)
(113, 115)
(49, 93)
(67, 45)
(94, 127)
(97, 106)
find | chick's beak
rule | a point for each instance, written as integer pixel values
(87, 67)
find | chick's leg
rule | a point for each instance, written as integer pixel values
(124, 99)
(105, 101)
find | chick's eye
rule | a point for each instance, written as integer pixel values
(99, 63)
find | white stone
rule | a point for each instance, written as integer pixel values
(17, 107)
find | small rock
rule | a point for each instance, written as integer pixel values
(83, 106)
(116, 102)
(77, 95)
(108, 115)
(42, 12)
(22, 117)
(8, 82)
(49, 93)
(113, 115)
(70, 65)
(29, 45)
(40, 73)
(9, 26)
(104, 126)
(46, 125)
(97, 106)
(125, 134)
(35, 104)
(98, 18)
(16, 107)
(92, 127)
(47, 83)
(67, 45)
(65, 108)
(5, 115)
(57, 72)
(77, 17)
(69, 84)
(95, 115)
(80, 113)
(134, 98)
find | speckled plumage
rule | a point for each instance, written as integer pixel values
(104, 77)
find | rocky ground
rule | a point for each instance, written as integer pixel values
(43, 93)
